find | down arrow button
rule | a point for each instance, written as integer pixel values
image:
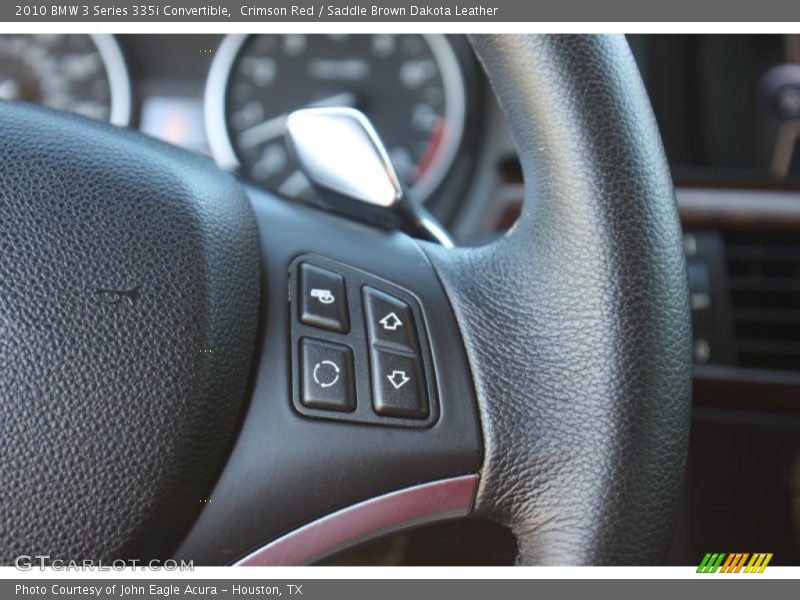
(398, 385)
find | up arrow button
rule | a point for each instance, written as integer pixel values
(389, 320)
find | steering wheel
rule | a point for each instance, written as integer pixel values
(192, 369)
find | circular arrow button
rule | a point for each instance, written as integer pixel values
(326, 373)
(327, 376)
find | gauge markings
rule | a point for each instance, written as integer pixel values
(77, 73)
(409, 85)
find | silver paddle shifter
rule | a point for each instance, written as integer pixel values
(342, 155)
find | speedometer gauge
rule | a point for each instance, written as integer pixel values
(84, 74)
(410, 86)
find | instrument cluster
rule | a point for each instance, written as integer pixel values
(416, 88)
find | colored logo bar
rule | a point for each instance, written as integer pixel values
(734, 562)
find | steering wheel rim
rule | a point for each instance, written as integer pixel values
(595, 272)
(557, 359)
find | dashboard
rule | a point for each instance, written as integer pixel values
(728, 106)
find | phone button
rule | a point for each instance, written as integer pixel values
(323, 302)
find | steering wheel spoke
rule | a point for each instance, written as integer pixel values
(352, 315)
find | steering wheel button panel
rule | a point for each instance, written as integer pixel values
(327, 376)
(398, 385)
(383, 355)
(389, 320)
(323, 302)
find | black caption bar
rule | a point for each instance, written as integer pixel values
(402, 11)
(400, 589)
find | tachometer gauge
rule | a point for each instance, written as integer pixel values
(84, 74)
(410, 86)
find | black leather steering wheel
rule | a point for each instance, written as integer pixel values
(156, 384)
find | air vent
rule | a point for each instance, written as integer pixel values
(764, 277)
